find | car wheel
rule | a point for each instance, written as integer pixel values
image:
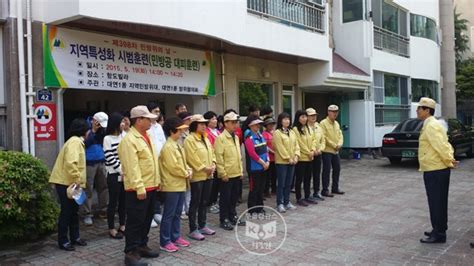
(395, 160)
(470, 153)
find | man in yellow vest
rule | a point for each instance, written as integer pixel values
(334, 140)
(436, 158)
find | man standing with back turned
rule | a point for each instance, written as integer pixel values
(436, 158)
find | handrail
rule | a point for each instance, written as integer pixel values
(392, 42)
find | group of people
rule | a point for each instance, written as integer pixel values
(160, 170)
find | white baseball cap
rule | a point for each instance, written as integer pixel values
(102, 118)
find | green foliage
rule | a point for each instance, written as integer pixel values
(461, 39)
(251, 94)
(465, 80)
(27, 209)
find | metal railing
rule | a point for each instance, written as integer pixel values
(391, 114)
(292, 12)
(391, 42)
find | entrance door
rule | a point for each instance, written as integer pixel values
(288, 99)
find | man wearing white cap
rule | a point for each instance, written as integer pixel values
(334, 140)
(319, 146)
(139, 159)
(435, 155)
(95, 160)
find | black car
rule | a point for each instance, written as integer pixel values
(402, 142)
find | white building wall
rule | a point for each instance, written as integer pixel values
(226, 20)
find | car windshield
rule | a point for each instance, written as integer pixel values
(410, 125)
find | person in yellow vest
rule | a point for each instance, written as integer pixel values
(331, 160)
(287, 152)
(70, 168)
(230, 172)
(175, 176)
(435, 155)
(201, 158)
(319, 146)
(139, 160)
(304, 165)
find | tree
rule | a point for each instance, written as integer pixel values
(465, 80)
(461, 40)
(251, 94)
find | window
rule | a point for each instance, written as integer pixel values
(424, 88)
(391, 98)
(424, 27)
(389, 17)
(251, 93)
(352, 10)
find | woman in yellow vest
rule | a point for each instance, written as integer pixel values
(287, 153)
(175, 175)
(200, 157)
(70, 168)
(304, 165)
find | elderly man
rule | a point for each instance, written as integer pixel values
(139, 160)
(334, 140)
(436, 158)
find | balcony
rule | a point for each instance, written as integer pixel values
(391, 42)
(291, 12)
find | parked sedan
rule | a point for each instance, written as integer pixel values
(402, 142)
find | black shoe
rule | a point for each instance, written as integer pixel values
(133, 258)
(311, 200)
(472, 244)
(433, 240)
(117, 235)
(67, 247)
(318, 197)
(428, 233)
(327, 194)
(79, 242)
(226, 225)
(147, 252)
(302, 202)
(238, 222)
(338, 192)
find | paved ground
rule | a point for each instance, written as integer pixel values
(378, 221)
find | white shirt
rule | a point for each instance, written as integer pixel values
(157, 136)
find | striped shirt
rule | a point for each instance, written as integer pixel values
(112, 161)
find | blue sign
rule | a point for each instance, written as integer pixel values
(44, 95)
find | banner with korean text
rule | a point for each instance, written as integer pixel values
(84, 60)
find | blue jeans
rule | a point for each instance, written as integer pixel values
(285, 174)
(170, 223)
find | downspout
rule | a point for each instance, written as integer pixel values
(30, 94)
(224, 91)
(21, 74)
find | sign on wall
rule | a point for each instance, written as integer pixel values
(77, 59)
(45, 121)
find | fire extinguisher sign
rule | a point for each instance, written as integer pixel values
(45, 121)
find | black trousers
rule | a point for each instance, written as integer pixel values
(331, 161)
(303, 175)
(116, 199)
(214, 190)
(317, 174)
(68, 218)
(256, 188)
(437, 189)
(270, 185)
(139, 216)
(229, 195)
(200, 194)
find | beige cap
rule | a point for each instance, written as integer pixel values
(311, 111)
(231, 117)
(183, 126)
(427, 102)
(141, 111)
(198, 118)
(102, 118)
(255, 122)
(333, 107)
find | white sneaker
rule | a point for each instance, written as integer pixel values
(157, 218)
(290, 206)
(281, 208)
(88, 221)
(184, 215)
(153, 224)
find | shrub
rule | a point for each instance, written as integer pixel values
(27, 208)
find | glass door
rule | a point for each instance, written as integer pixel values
(288, 99)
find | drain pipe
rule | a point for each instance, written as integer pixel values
(21, 73)
(30, 94)
(224, 91)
